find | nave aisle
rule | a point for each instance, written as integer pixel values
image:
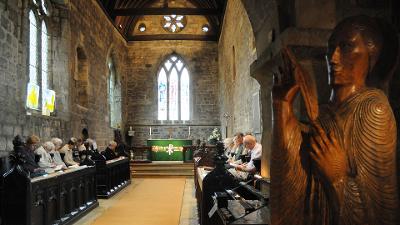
(148, 201)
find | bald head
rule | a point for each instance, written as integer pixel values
(249, 141)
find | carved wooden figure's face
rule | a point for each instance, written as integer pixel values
(347, 58)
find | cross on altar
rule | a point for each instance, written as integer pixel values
(170, 149)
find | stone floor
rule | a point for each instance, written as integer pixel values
(188, 211)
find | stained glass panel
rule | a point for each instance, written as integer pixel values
(185, 109)
(49, 99)
(32, 97)
(32, 48)
(162, 95)
(173, 95)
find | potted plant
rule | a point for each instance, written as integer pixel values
(214, 137)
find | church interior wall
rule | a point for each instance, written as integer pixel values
(143, 63)
(77, 23)
(15, 118)
(100, 40)
(226, 76)
(236, 52)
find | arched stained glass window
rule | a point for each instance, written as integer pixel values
(39, 94)
(173, 90)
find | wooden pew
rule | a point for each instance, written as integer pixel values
(142, 154)
(58, 198)
(188, 153)
(209, 180)
(112, 176)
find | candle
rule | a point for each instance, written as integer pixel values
(189, 130)
(150, 131)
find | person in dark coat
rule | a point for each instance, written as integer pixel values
(25, 153)
(109, 153)
(121, 149)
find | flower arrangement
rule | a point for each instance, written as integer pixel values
(215, 136)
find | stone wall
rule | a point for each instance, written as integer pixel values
(143, 62)
(76, 23)
(236, 52)
(14, 117)
(92, 32)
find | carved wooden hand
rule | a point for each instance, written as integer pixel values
(328, 156)
(285, 87)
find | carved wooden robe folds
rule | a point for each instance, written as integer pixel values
(361, 126)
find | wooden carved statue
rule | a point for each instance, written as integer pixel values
(340, 167)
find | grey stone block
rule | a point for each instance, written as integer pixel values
(3, 143)
(17, 130)
(2, 34)
(8, 130)
(10, 145)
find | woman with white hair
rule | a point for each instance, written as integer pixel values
(46, 161)
(56, 154)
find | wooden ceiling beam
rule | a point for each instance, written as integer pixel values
(164, 11)
(173, 37)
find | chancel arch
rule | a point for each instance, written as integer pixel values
(173, 89)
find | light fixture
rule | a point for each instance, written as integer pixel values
(205, 28)
(142, 27)
(120, 26)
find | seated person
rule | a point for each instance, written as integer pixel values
(239, 147)
(90, 145)
(109, 153)
(121, 149)
(26, 154)
(56, 152)
(255, 150)
(94, 151)
(46, 162)
(78, 151)
(88, 152)
(67, 151)
(228, 145)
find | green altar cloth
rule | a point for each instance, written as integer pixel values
(168, 149)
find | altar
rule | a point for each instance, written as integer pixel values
(168, 149)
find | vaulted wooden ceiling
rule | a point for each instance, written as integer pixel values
(125, 15)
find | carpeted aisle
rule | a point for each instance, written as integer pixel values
(150, 202)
